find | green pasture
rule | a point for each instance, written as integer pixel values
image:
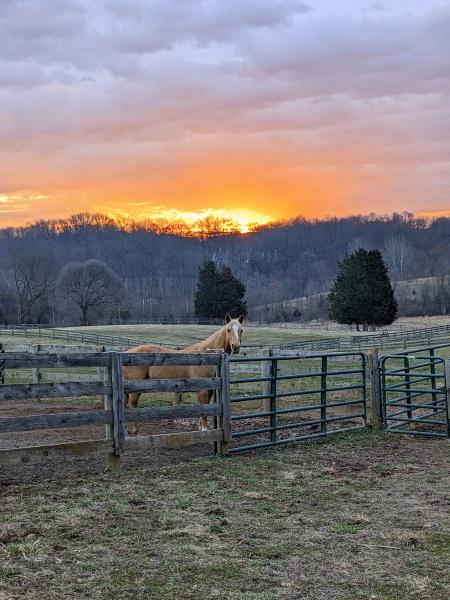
(182, 335)
(189, 334)
(185, 335)
(34, 340)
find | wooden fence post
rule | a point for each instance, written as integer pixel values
(2, 366)
(112, 461)
(114, 403)
(224, 420)
(374, 390)
(176, 399)
(118, 395)
(36, 371)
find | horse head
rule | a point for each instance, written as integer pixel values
(233, 334)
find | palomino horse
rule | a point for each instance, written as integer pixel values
(227, 338)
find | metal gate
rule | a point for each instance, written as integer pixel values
(280, 399)
(414, 392)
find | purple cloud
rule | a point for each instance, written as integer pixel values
(89, 89)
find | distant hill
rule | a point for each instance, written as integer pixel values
(416, 297)
(297, 259)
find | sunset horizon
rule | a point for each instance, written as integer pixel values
(208, 222)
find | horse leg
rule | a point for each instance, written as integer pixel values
(204, 397)
(132, 402)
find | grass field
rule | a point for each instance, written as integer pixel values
(359, 516)
(185, 335)
(289, 332)
(188, 334)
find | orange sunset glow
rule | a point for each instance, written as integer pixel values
(240, 111)
(242, 221)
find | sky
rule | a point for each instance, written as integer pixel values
(258, 110)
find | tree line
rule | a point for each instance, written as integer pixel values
(158, 268)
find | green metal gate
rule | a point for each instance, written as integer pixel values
(280, 399)
(414, 395)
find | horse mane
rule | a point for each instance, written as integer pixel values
(216, 341)
(151, 348)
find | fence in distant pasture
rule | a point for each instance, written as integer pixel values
(385, 341)
(388, 340)
(74, 336)
(114, 415)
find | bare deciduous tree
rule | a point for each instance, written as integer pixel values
(397, 252)
(92, 287)
(7, 302)
(442, 294)
(33, 275)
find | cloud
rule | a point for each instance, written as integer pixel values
(198, 101)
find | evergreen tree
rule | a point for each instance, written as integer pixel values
(218, 292)
(383, 305)
(231, 294)
(362, 292)
(207, 290)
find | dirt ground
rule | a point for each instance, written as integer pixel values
(18, 408)
(358, 515)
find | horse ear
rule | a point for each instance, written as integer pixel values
(241, 319)
(227, 318)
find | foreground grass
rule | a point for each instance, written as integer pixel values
(360, 516)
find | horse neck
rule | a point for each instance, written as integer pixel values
(213, 342)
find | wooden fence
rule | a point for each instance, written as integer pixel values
(114, 415)
(77, 337)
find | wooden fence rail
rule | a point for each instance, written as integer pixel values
(25, 391)
(113, 386)
(21, 360)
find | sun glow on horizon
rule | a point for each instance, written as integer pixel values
(208, 220)
(434, 214)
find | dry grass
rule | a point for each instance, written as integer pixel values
(359, 516)
(188, 334)
(253, 335)
(419, 322)
(183, 335)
